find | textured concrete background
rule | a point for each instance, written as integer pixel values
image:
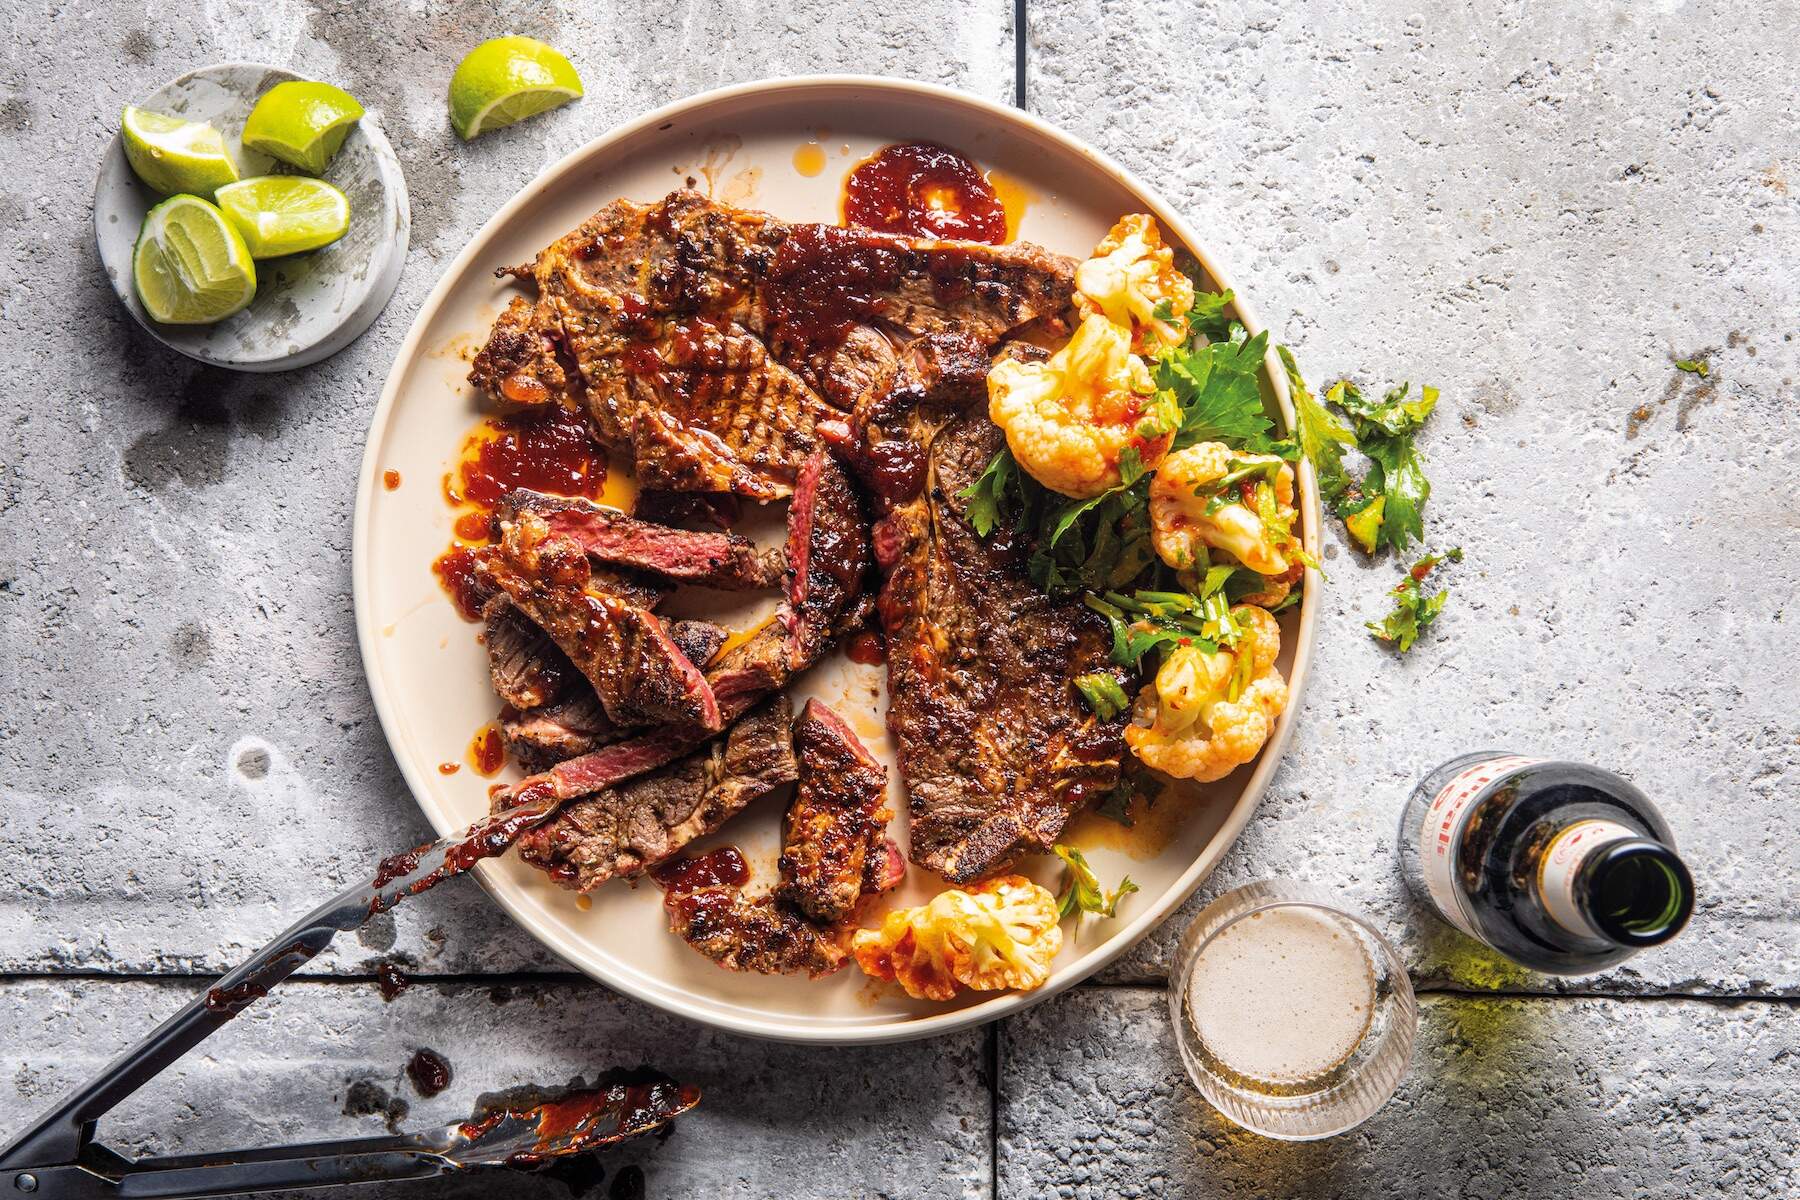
(1537, 209)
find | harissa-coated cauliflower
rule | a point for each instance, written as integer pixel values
(1207, 713)
(1000, 933)
(1130, 274)
(1253, 529)
(1069, 419)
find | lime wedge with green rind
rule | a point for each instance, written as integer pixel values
(302, 122)
(284, 214)
(190, 265)
(508, 79)
(174, 155)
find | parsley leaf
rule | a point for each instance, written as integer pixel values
(1320, 436)
(1413, 609)
(989, 496)
(1398, 477)
(1084, 892)
(1216, 388)
(1207, 317)
(1394, 414)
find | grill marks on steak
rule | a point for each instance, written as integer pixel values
(834, 856)
(718, 560)
(996, 746)
(828, 557)
(709, 342)
(602, 622)
(625, 828)
(833, 849)
(643, 300)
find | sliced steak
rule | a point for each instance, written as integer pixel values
(719, 560)
(526, 668)
(623, 829)
(835, 824)
(828, 557)
(709, 342)
(840, 301)
(762, 935)
(834, 856)
(753, 669)
(996, 747)
(699, 511)
(538, 738)
(698, 640)
(602, 622)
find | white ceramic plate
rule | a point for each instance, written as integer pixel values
(429, 677)
(307, 306)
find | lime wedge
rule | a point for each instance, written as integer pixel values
(172, 155)
(506, 80)
(190, 265)
(285, 214)
(302, 122)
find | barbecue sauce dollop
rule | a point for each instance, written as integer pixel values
(924, 190)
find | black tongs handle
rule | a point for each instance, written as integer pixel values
(63, 1137)
(108, 1177)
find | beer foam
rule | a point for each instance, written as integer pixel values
(1282, 995)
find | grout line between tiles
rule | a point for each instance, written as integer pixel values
(1020, 42)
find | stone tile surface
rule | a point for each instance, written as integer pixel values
(1508, 1097)
(188, 755)
(1538, 211)
(326, 1060)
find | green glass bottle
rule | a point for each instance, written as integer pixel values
(1560, 866)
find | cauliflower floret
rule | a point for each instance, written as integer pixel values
(1183, 489)
(1187, 724)
(1131, 273)
(1001, 933)
(1068, 418)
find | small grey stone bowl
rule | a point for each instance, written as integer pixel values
(308, 306)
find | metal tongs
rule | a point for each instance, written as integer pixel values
(58, 1158)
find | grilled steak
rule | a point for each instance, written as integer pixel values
(763, 935)
(828, 556)
(526, 668)
(539, 738)
(838, 300)
(709, 342)
(687, 510)
(602, 622)
(699, 641)
(834, 856)
(719, 560)
(641, 299)
(521, 362)
(996, 747)
(834, 833)
(623, 829)
(742, 676)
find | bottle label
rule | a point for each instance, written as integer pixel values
(1440, 833)
(1562, 863)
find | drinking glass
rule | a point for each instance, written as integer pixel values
(1328, 1042)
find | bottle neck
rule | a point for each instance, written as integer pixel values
(1602, 880)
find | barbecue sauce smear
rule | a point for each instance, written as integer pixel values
(924, 190)
(547, 449)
